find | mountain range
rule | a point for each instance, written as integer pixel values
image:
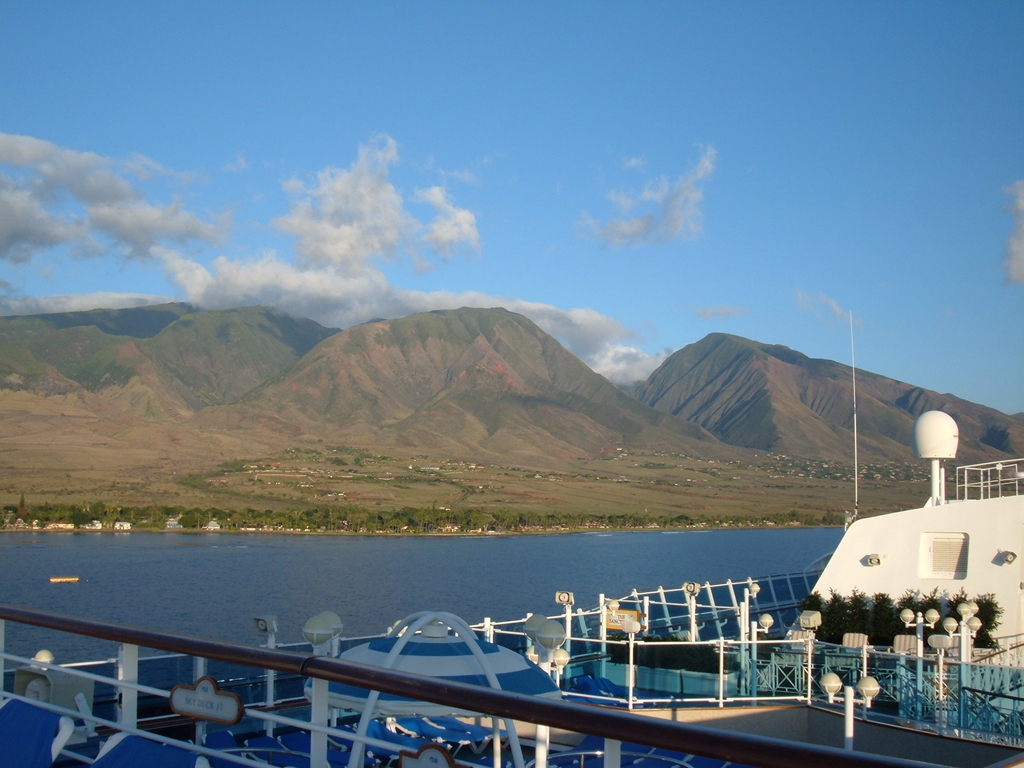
(482, 384)
(770, 397)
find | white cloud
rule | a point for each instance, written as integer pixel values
(145, 168)
(452, 227)
(819, 302)
(25, 226)
(709, 313)
(77, 302)
(465, 176)
(236, 165)
(56, 196)
(677, 216)
(350, 216)
(1014, 261)
(639, 162)
(625, 365)
(139, 225)
(622, 201)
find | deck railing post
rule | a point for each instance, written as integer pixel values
(318, 716)
(271, 693)
(568, 629)
(810, 667)
(753, 662)
(540, 749)
(199, 670)
(721, 672)
(128, 672)
(612, 753)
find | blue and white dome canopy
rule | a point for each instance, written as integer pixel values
(422, 644)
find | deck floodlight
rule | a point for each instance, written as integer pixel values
(560, 657)
(907, 616)
(869, 688)
(974, 623)
(949, 624)
(810, 620)
(691, 588)
(831, 684)
(1009, 557)
(766, 620)
(265, 625)
(931, 616)
(564, 598)
(874, 559)
(532, 624)
(550, 634)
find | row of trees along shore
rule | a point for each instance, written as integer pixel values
(878, 616)
(351, 518)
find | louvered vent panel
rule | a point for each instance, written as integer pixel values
(949, 556)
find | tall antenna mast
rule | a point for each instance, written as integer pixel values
(856, 468)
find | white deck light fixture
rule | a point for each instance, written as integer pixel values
(867, 687)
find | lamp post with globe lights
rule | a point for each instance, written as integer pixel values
(549, 635)
(919, 621)
(867, 687)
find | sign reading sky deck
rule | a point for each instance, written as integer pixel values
(429, 756)
(204, 701)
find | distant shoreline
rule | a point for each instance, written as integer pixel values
(405, 534)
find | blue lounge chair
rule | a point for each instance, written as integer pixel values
(478, 733)
(272, 751)
(611, 689)
(376, 730)
(126, 751)
(223, 740)
(31, 736)
(300, 741)
(449, 730)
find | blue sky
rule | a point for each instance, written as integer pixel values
(631, 176)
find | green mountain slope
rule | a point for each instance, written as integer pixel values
(471, 380)
(774, 398)
(164, 361)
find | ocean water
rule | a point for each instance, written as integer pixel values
(212, 585)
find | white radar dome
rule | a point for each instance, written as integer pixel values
(935, 436)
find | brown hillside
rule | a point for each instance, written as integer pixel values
(773, 398)
(481, 382)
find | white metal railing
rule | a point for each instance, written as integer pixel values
(704, 612)
(993, 479)
(614, 727)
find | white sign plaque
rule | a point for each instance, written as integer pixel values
(430, 756)
(204, 701)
